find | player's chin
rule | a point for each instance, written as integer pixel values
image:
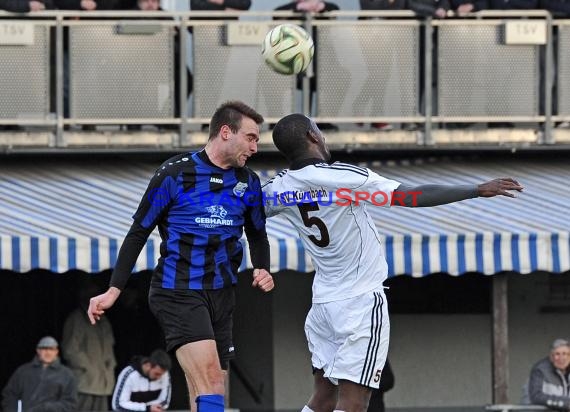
(242, 160)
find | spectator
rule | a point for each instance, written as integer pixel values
(85, 5)
(144, 385)
(42, 385)
(311, 6)
(220, 5)
(25, 6)
(548, 383)
(430, 8)
(376, 403)
(88, 351)
(464, 7)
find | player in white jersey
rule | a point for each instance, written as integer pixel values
(347, 327)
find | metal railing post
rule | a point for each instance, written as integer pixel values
(428, 74)
(548, 137)
(59, 104)
(183, 81)
(309, 73)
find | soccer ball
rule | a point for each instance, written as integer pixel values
(288, 49)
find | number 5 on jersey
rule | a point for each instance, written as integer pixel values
(311, 221)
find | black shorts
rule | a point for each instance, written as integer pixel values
(192, 315)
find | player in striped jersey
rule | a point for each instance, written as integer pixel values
(347, 328)
(201, 203)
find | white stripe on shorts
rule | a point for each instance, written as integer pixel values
(374, 344)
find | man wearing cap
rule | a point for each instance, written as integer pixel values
(549, 378)
(42, 385)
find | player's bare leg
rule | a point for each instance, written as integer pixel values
(205, 378)
(191, 394)
(352, 397)
(324, 396)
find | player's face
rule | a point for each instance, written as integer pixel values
(560, 357)
(47, 355)
(323, 148)
(244, 142)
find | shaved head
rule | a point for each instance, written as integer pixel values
(290, 135)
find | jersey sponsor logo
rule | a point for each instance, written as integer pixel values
(217, 211)
(296, 197)
(217, 217)
(216, 180)
(239, 189)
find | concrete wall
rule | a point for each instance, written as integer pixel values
(440, 360)
(292, 374)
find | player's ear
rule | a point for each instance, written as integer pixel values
(313, 137)
(225, 131)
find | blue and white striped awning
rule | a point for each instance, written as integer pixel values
(62, 215)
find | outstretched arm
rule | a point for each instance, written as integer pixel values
(434, 195)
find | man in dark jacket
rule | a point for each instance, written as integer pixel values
(548, 383)
(220, 5)
(42, 385)
(25, 6)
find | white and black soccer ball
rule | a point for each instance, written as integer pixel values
(288, 49)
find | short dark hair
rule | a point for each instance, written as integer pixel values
(160, 358)
(290, 135)
(231, 113)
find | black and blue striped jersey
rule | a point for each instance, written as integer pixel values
(201, 211)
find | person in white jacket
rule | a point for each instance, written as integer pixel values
(144, 385)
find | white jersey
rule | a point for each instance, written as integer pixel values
(327, 204)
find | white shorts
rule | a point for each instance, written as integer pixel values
(348, 339)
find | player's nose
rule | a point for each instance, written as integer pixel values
(253, 147)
